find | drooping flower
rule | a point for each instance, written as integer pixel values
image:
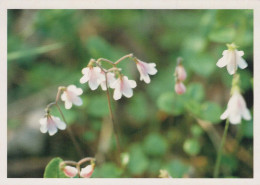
(232, 58)
(123, 86)
(87, 171)
(180, 72)
(93, 76)
(146, 69)
(236, 109)
(51, 124)
(70, 171)
(110, 80)
(180, 87)
(71, 96)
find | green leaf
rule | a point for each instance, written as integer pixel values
(107, 170)
(155, 145)
(196, 131)
(211, 112)
(171, 103)
(138, 162)
(195, 91)
(177, 168)
(191, 147)
(52, 169)
(247, 128)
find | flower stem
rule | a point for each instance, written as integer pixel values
(219, 155)
(112, 119)
(124, 57)
(75, 143)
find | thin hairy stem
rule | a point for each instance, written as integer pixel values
(105, 60)
(86, 160)
(219, 156)
(71, 134)
(124, 57)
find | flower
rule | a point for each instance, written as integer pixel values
(87, 171)
(146, 69)
(93, 76)
(70, 171)
(232, 58)
(236, 109)
(51, 124)
(70, 96)
(180, 88)
(180, 73)
(123, 86)
(110, 80)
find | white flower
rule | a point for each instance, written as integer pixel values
(180, 88)
(110, 80)
(87, 171)
(71, 96)
(236, 109)
(146, 69)
(123, 86)
(93, 76)
(180, 73)
(51, 124)
(232, 58)
(70, 171)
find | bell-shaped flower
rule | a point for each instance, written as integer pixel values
(146, 69)
(71, 96)
(180, 88)
(236, 109)
(51, 124)
(87, 171)
(70, 171)
(93, 76)
(110, 80)
(123, 86)
(232, 58)
(180, 73)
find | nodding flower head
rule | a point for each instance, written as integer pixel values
(110, 80)
(87, 171)
(123, 86)
(180, 73)
(71, 96)
(70, 171)
(146, 69)
(51, 124)
(180, 88)
(93, 76)
(236, 109)
(232, 58)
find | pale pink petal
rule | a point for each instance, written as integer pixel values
(87, 171)
(64, 96)
(241, 62)
(151, 69)
(146, 78)
(68, 104)
(60, 124)
(43, 128)
(77, 101)
(52, 129)
(85, 71)
(70, 171)
(234, 118)
(222, 62)
(117, 94)
(84, 79)
(246, 114)
(224, 115)
(240, 53)
(43, 121)
(224, 52)
(132, 83)
(93, 84)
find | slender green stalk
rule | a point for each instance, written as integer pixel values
(219, 156)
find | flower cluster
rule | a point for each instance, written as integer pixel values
(113, 78)
(236, 108)
(180, 75)
(70, 95)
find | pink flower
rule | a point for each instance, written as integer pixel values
(70, 171)
(71, 96)
(123, 86)
(110, 80)
(51, 124)
(232, 58)
(93, 76)
(180, 73)
(87, 171)
(236, 109)
(146, 69)
(180, 88)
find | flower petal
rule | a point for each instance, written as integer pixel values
(224, 115)
(235, 118)
(246, 114)
(84, 79)
(222, 62)
(241, 62)
(77, 101)
(117, 94)
(68, 104)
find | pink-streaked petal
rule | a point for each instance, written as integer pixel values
(52, 130)
(43, 129)
(224, 115)
(117, 94)
(85, 71)
(146, 78)
(77, 101)
(60, 124)
(128, 92)
(68, 104)
(132, 83)
(84, 79)
(87, 171)
(93, 84)
(115, 84)
(63, 96)
(103, 86)
(70, 171)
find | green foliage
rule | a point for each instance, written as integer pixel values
(52, 170)
(211, 112)
(155, 145)
(107, 170)
(191, 147)
(177, 168)
(97, 106)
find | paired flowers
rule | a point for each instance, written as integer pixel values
(236, 108)
(96, 76)
(180, 75)
(86, 172)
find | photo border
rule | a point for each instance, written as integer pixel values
(127, 4)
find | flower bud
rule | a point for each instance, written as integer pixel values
(180, 73)
(70, 171)
(180, 88)
(87, 171)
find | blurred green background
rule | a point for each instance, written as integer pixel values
(158, 129)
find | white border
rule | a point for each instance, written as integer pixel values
(126, 4)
